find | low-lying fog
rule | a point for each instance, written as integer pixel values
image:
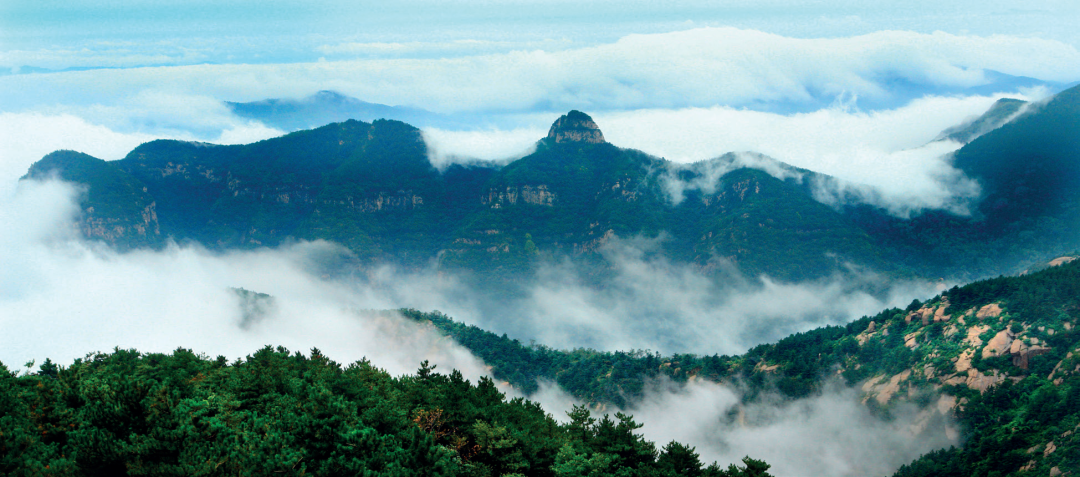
(62, 297)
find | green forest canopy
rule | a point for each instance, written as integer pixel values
(282, 413)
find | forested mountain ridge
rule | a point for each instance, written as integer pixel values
(1000, 356)
(372, 188)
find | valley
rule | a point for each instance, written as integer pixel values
(980, 375)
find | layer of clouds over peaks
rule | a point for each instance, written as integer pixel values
(694, 68)
(867, 151)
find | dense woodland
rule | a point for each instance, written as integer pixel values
(282, 413)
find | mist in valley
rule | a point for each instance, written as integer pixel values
(62, 296)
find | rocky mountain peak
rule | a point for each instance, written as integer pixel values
(575, 126)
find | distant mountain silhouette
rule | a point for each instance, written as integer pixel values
(327, 107)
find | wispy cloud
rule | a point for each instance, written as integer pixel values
(829, 434)
(62, 298)
(702, 67)
(865, 151)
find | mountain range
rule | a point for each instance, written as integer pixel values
(327, 107)
(323, 107)
(993, 363)
(371, 187)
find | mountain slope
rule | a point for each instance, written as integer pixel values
(1000, 356)
(1030, 166)
(1029, 173)
(116, 206)
(372, 188)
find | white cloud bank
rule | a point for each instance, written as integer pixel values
(61, 298)
(828, 435)
(702, 67)
(888, 157)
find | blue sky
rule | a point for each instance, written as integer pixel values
(133, 33)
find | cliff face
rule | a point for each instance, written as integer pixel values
(537, 195)
(575, 126)
(116, 206)
(141, 228)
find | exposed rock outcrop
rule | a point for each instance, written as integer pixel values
(1061, 261)
(536, 195)
(112, 229)
(998, 345)
(927, 314)
(989, 311)
(575, 126)
(1022, 357)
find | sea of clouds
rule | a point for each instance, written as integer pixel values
(62, 297)
(824, 104)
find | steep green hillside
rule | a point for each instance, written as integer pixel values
(1028, 167)
(1029, 173)
(1001, 356)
